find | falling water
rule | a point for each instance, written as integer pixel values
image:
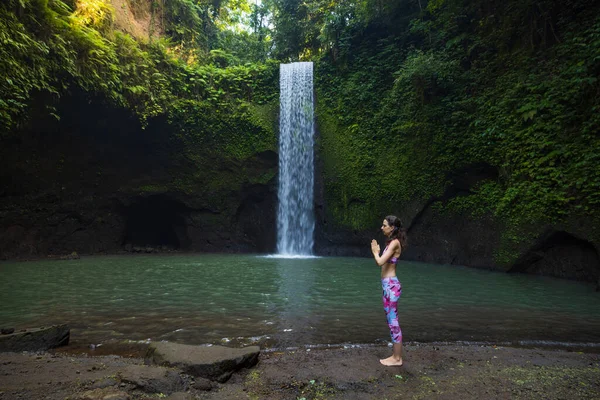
(295, 217)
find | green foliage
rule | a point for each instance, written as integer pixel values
(235, 131)
(408, 93)
(144, 88)
(510, 86)
(188, 24)
(22, 72)
(94, 14)
(50, 49)
(47, 50)
(538, 122)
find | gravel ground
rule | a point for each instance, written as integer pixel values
(429, 372)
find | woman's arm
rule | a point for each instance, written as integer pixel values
(389, 252)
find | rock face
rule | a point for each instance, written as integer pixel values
(452, 239)
(38, 339)
(216, 363)
(434, 235)
(153, 380)
(560, 254)
(103, 394)
(98, 183)
(441, 234)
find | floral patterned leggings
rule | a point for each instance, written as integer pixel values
(392, 290)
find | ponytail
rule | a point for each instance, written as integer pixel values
(399, 232)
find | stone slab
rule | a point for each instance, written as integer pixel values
(36, 339)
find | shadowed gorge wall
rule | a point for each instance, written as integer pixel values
(156, 221)
(563, 255)
(474, 124)
(95, 182)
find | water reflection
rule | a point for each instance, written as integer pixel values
(303, 312)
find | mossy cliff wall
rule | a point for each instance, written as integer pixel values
(95, 182)
(487, 153)
(121, 130)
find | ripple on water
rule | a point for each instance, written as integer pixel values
(322, 300)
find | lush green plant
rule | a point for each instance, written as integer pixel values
(395, 122)
(408, 93)
(50, 48)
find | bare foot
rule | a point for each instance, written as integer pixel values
(391, 362)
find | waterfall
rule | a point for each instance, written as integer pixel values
(295, 214)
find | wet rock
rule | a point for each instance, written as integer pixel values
(180, 396)
(203, 384)
(38, 339)
(153, 379)
(561, 254)
(103, 394)
(104, 383)
(72, 256)
(216, 363)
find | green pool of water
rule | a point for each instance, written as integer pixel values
(242, 299)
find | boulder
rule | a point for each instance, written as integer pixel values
(105, 383)
(38, 339)
(203, 384)
(153, 379)
(216, 363)
(103, 394)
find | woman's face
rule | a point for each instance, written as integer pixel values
(386, 228)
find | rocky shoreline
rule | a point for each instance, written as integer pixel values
(430, 371)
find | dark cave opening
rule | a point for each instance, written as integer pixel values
(563, 255)
(156, 221)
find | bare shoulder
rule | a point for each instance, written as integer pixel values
(397, 244)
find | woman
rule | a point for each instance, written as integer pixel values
(392, 289)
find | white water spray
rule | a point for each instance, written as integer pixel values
(295, 216)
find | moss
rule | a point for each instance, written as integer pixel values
(152, 189)
(215, 179)
(394, 124)
(250, 131)
(349, 189)
(265, 117)
(214, 153)
(264, 178)
(367, 175)
(426, 389)
(254, 385)
(318, 390)
(551, 379)
(480, 202)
